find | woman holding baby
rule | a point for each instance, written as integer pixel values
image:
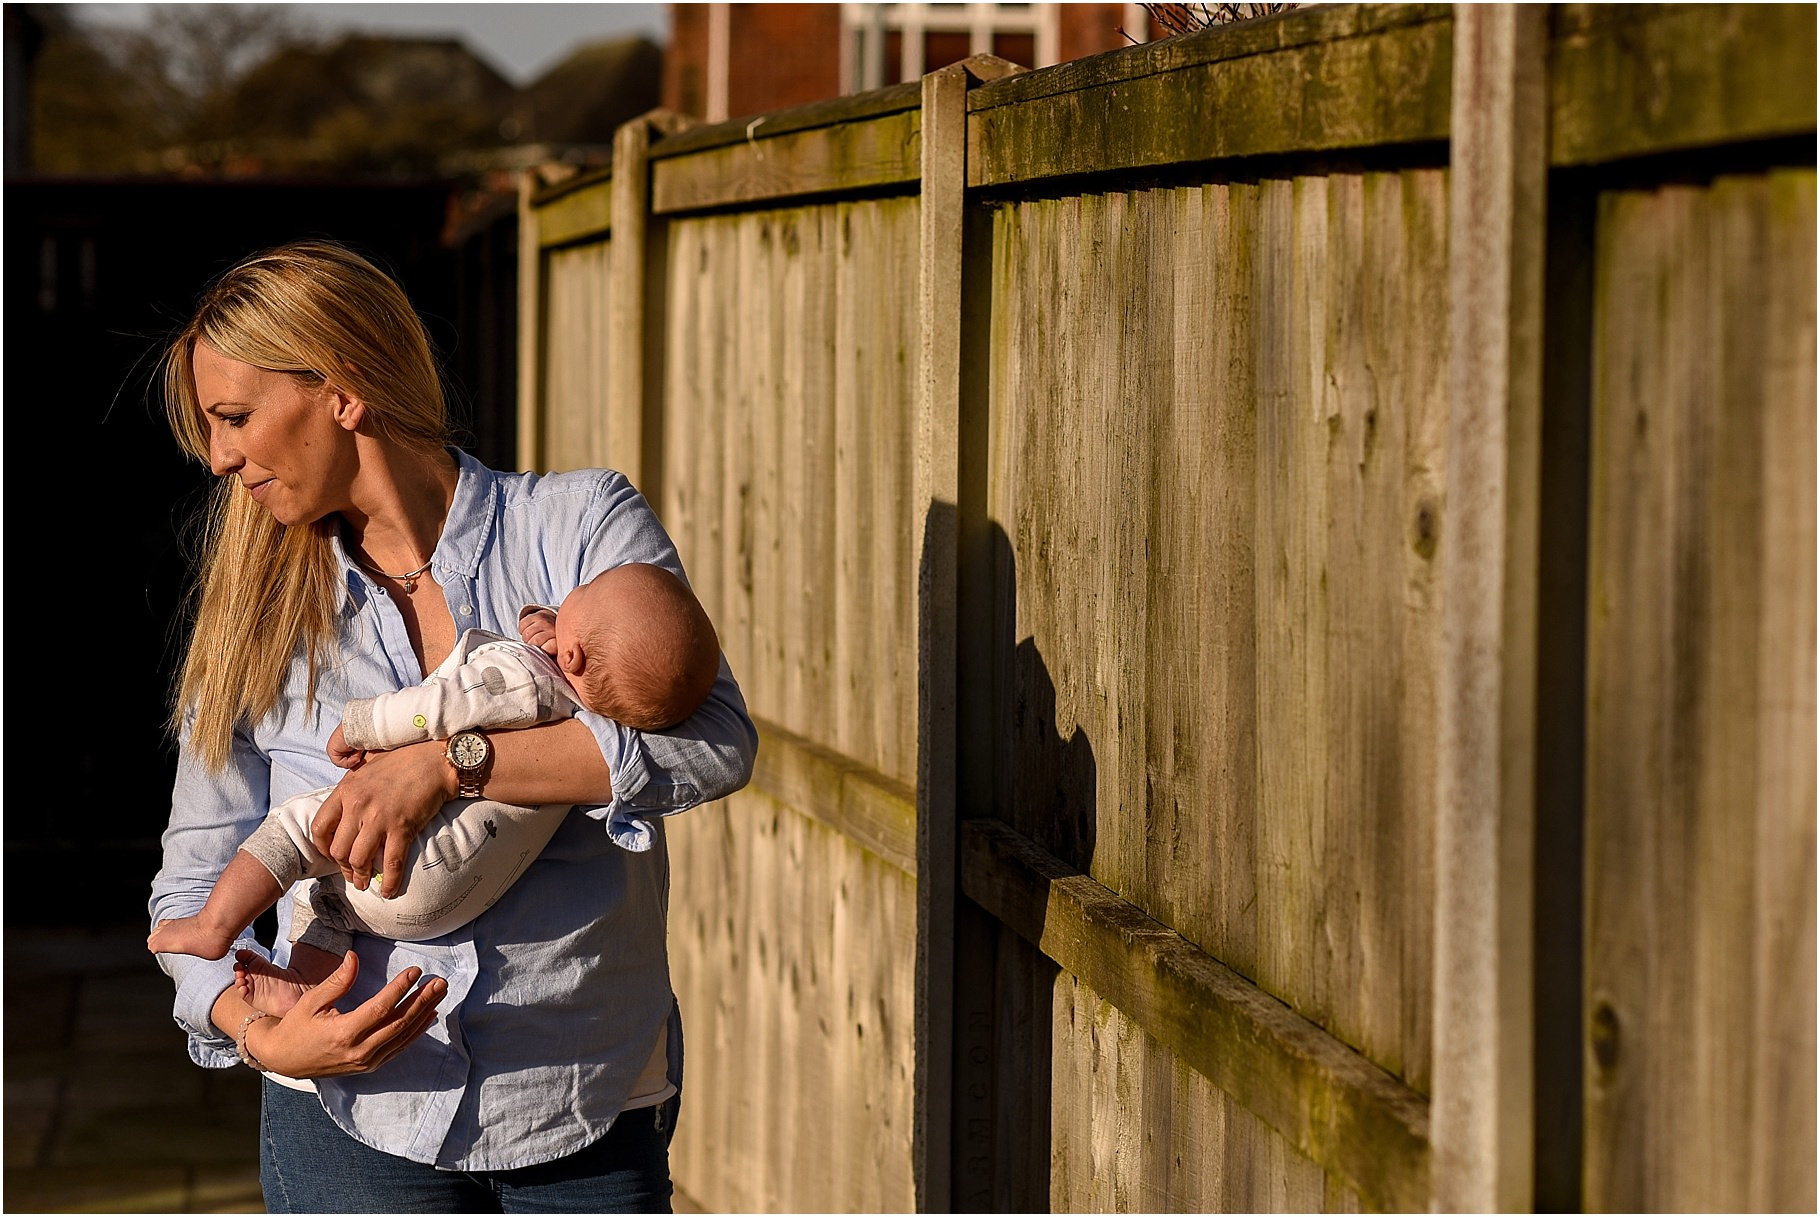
(532, 1058)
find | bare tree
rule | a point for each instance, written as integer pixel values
(1176, 19)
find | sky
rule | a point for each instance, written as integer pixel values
(519, 40)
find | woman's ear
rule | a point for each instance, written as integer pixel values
(350, 411)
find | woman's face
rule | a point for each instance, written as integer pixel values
(290, 443)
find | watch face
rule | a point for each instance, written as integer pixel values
(468, 751)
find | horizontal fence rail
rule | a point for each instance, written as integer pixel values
(1334, 1105)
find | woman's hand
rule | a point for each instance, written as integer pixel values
(315, 1040)
(370, 819)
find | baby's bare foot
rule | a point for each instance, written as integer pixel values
(265, 986)
(188, 936)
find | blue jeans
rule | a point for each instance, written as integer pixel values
(308, 1165)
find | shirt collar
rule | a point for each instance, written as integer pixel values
(466, 532)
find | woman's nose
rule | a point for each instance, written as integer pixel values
(224, 458)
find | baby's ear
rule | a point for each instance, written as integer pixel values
(572, 659)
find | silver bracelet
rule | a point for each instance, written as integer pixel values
(246, 1057)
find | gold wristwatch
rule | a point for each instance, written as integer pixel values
(472, 755)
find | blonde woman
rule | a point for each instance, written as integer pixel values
(532, 1059)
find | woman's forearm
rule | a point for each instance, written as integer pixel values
(368, 822)
(558, 762)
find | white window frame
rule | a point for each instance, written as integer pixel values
(864, 27)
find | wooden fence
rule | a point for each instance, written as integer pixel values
(1275, 570)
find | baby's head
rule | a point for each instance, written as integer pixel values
(637, 646)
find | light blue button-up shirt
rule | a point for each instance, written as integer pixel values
(557, 994)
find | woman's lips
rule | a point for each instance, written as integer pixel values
(258, 489)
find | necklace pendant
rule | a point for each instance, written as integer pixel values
(409, 584)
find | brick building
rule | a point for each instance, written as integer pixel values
(727, 60)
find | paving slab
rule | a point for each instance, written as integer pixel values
(104, 1112)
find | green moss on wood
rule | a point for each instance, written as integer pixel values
(1629, 81)
(1386, 87)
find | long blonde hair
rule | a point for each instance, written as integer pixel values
(264, 592)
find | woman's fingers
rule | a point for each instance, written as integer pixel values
(409, 1021)
(326, 822)
(397, 854)
(332, 988)
(386, 1023)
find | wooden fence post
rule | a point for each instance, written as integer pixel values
(1482, 1122)
(530, 328)
(633, 408)
(936, 499)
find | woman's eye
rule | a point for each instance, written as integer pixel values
(234, 420)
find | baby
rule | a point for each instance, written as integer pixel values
(632, 644)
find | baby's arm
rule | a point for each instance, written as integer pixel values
(501, 686)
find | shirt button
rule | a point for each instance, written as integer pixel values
(467, 610)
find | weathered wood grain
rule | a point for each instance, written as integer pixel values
(788, 408)
(1112, 542)
(575, 352)
(1200, 868)
(532, 330)
(1219, 514)
(1782, 1019)
(863, 805)
(1484, 996)
(576, 214)
(1328, 1101)
(1700, 848)
(795, 997)
(1630, 80)
(875, 334)
(1288, 284)
(865, 154)
(1373, 87)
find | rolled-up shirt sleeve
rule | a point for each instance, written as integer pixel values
(706, 757)
(211, 814)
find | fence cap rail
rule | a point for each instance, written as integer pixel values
(830, 113)
(544, 195)
(1240, 40)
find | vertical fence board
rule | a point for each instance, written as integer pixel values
(1360, 644)
(1230, 511)
(874, 324)
(1781, 927)
(1289, 285)
(1692, 400)
(575, 382)
(1424, 397)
